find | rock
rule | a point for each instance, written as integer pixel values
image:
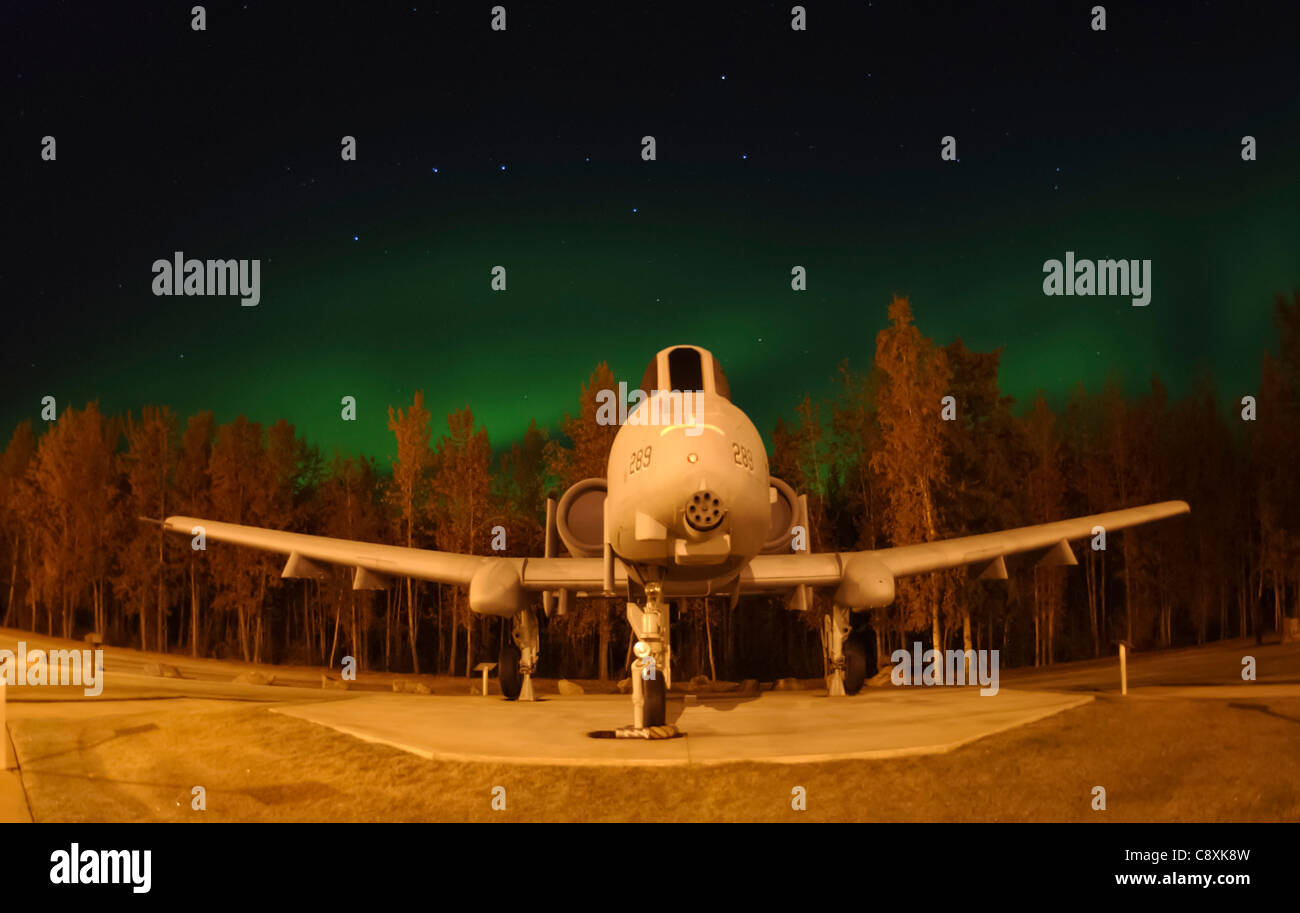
(340, 683)
(568, 687)
(164, 670)
(254, 678)
(405, 686)
(883, 677)
(726, 687)
(700, 683)
(748, 686)
(625, 686)
(786, 684)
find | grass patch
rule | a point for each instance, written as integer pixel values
(1159, 760)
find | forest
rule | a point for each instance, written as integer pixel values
(887, 459)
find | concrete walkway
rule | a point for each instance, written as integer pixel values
(774, 727)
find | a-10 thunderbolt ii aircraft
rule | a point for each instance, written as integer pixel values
(687, 508)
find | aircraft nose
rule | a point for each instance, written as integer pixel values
(704, 511)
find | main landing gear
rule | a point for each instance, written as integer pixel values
(518, 659)
(845, 654)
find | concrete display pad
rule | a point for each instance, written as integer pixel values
(773, 727)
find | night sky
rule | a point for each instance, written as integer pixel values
(522, 148)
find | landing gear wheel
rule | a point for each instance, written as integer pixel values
(655, 711)
(512, 681)
(855, 665)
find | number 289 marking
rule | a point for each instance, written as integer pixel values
(742, 456)
(640, 460)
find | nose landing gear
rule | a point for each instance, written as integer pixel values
(651, 672)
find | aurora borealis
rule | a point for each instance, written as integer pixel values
(818, 149)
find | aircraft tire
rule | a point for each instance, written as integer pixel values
(512, 681)
(855, 665)
(655, 711)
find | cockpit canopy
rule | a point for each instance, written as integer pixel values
(685, 368)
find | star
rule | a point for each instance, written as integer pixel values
(503, 167)
(435, 171)
(355, 238)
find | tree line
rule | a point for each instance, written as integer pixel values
(921, 445)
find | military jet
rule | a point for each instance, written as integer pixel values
(687, 508)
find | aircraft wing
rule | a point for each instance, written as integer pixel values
(853, 571)
(948, 553)
(496, 584)
(306, 552)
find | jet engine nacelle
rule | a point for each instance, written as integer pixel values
(785, 515)
(580, 519)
